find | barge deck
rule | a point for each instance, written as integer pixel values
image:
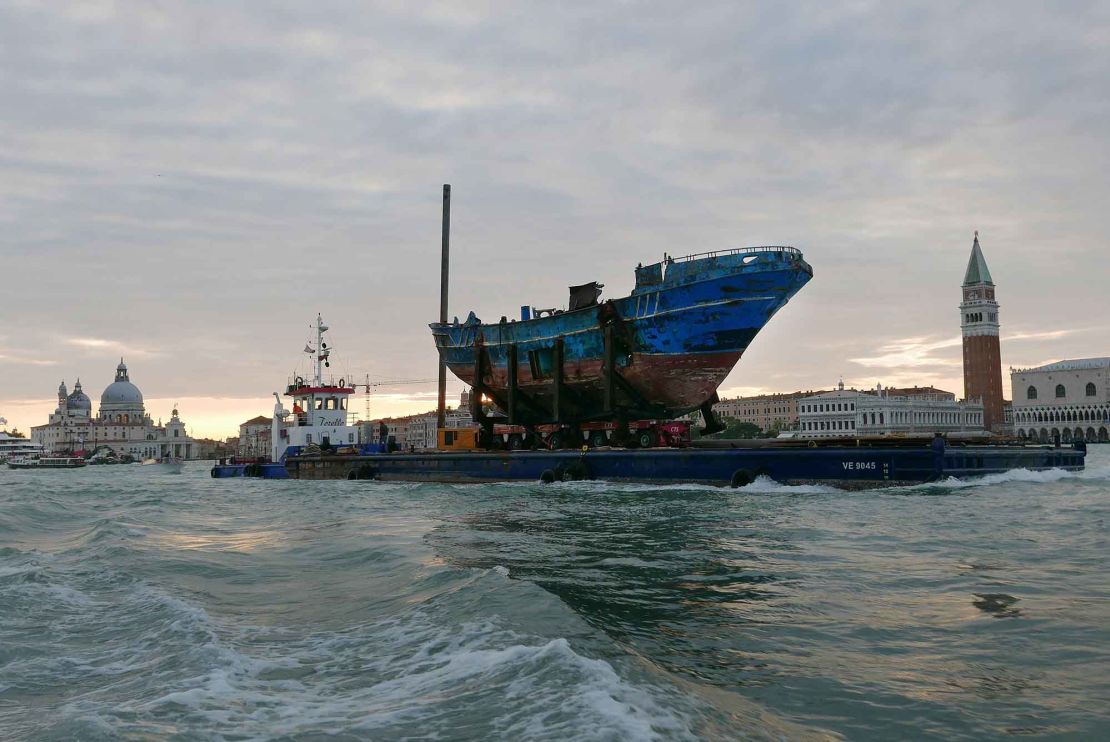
(848, 467)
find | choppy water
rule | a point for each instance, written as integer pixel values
(148, 606)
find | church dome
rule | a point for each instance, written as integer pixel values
(121, 391)
(78, 400)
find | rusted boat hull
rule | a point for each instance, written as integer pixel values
(660, 352)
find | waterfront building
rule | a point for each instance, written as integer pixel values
(768, 412)
(879, 412)
(210, 448)
(1069, 399)
(121, 424)
(981, 351)
(829, 414)
(415, 432)
(894, 412)
(254, 438)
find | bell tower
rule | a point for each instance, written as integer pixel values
(979, 323)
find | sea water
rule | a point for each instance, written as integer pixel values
(142, 605)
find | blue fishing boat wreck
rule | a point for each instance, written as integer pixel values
(658, 353)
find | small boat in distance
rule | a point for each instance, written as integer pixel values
(47, 462)
(166, 464)
(16, 447)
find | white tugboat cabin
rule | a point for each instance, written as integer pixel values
(319, 415)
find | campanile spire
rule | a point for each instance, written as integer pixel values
(979, 325)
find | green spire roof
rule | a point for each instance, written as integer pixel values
(977, 271)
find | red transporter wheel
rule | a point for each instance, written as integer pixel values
(555, 440)
(598, 439)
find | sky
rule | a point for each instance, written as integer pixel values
(186, 184)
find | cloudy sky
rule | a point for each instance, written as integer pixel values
(187, 183)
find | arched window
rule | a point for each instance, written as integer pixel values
(1031, 392)
(1060, 391)
(1090, 389)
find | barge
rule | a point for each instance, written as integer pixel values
(842, 464)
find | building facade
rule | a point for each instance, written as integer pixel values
(830, 414)
(254, 438)
(981, 350)
(768, 412)
(1069, 399)
(210, 448)
(917, 411)
(416, 432)
(888, 412)
(121, 424)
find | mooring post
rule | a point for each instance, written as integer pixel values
(512, 389)
(609, 371)
(445, 262)
(478, 387)
(557, 381)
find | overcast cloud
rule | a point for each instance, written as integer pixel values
(187, 183)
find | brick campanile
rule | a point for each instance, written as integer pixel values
(979, 322)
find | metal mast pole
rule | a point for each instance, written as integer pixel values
(441, 409)
(319, 351)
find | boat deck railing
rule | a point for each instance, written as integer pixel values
(736, 251)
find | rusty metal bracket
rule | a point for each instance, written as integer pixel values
(712, 423)
(515, 397)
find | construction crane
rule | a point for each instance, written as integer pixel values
(370, 385)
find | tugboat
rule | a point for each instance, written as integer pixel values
(319, 417)
(317, 423)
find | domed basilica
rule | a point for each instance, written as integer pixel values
(121, 424)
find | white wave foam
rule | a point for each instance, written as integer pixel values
(1100, 472)
(67, 595)
(768, 486)
(1014, 475)
(600, 486)
(761, 485)
(407, 676)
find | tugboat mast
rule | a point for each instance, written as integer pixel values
(322, 351)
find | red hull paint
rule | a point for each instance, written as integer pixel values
(678, 382)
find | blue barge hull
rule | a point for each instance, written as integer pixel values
(848, 467)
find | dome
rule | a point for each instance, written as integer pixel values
(78, 400)
(121, 391)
